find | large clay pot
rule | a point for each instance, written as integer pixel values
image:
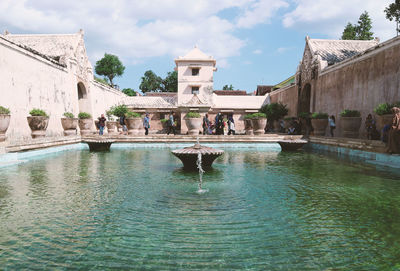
(85, 125)
(248, 126)
(38, 125)
(350, 126)
(319, 126)
(259, 125)
(112, 127)
(4, 123)
(134, 125)
(193, 125)
(277, 126)
(382, 120)
(69, 125)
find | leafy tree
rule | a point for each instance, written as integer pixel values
(109, 66)
(226, 87)
(364, 27)
(150, 82)
(129, 92)
(349, 32)
(170, 83)
(393, 13)
(101, 80)
(359, 31)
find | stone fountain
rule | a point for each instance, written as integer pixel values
(292, 144)
(190, 156)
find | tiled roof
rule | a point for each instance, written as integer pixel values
(230, 92)
(262, 90)
(150, 102)
(334, 51)
(285, 83)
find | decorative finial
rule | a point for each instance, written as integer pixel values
(6, 32)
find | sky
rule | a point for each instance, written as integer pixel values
(255, 42)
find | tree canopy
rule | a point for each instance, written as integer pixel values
(129, 92)
(359, 31)
(393, 13)
(226, 87)
(151, 82)
(110, 66)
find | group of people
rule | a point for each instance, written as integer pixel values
(219, 125)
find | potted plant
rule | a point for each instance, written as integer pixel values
(193, 123)
(384, 115)
(38, 122)
(69, 123)
(4, 122)
(248, 125)
(111, 123)
(350, 121)
(164, 124)
(85, 123)
(259, 121)
(319, 122)
(274, 112)
(134, 122)
(119, 111)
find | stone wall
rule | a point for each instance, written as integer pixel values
(287, 96)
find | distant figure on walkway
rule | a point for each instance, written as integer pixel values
(171, 124)
(206, 125)
(219, 124)
(102, 124)
(369, 122)
(231, 125)
(332, 124)
(146, 123)
(394, 133)
(122, 122)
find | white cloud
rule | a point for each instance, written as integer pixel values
(330, 17)
(260, 12)
(282, 50)
(257, 52)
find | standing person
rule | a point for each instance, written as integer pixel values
(206, 125)
(146, 123)
(332, 124)
(171, 123)
(218, 121)
(394, 132)
(369, 125)
(122, 122)
(102, 124)
(231, 125)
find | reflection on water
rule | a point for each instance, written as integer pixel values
(138, 208)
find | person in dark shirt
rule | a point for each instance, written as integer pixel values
(102, 124)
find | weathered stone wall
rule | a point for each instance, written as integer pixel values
(287, 96)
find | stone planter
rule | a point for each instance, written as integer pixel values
(85, 125)
(350, 126)
(112, 127)
(193, 125)
(134, 125)
(69, 125)
(38, 125)
(259, 125)
(248, 126)
(119, 127)
(382, 120)
(319, 126)
(4, 123)
(277, 126)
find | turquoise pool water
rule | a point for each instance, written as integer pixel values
(137, 209)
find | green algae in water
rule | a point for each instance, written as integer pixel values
(137, 209)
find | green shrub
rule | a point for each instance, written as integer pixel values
(110, 113)
(347, 113)
(68, 115)
(383, 109)
(258, 115)
(304, 115)
(248, 116)
(131, 115)
(193, 115)
(319, 115)
(38, 113)
(164, 120)
(119, 110)
(274, 111)
(288, 118)
(4, 111)
(84, 115)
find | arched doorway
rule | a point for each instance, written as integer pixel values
(83, 100)
(305, 99)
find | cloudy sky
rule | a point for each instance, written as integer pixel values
(254, 41)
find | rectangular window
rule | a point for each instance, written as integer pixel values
(195, 71)
(195, 90)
